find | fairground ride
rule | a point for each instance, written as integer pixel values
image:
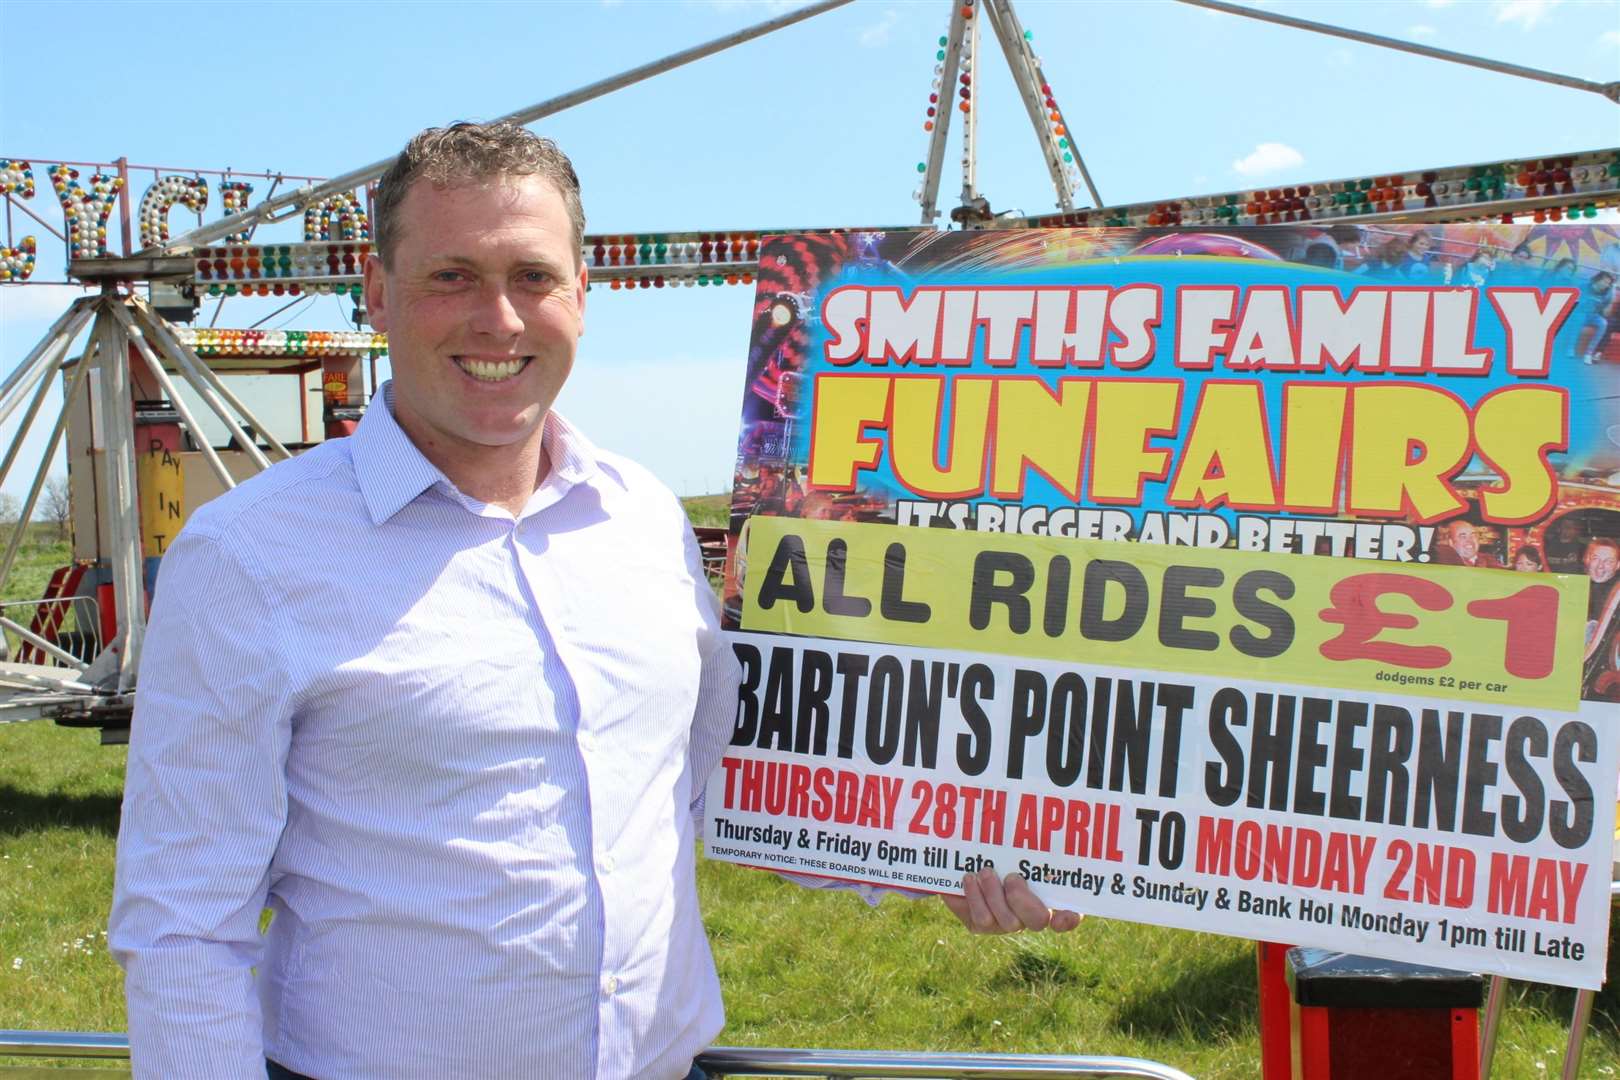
(153, 426)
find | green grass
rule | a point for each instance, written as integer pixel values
(708, 509)
(798, 967)
(40, 554)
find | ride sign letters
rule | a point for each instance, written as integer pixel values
(1023, 576)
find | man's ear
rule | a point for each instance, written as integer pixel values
(579, 294)
(376, 293)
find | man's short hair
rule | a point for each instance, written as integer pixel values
(467, 152)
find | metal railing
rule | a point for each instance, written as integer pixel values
(72, 625)
(722, 1061)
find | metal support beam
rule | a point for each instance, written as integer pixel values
(283, 206)
(49, 362)
(1578, 1023)
(198, 374)
(970, 116)
(1029, 78)
(51, 366)
(118, 436)
(212, 400)
(51, 444)
(1609, 90)
(21, 378)
(40, 643)
(1490, 1022)
(943, 108)
(155, 365)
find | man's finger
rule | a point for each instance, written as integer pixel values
(1064, 921)
(980, 921)
(995, 898)
(1025, 906)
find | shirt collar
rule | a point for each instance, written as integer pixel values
(392, 472)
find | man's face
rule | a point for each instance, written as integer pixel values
(483, 306)
(1601, 562)
(1465, 541)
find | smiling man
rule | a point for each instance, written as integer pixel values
(440, 696)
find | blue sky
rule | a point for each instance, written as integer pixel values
(819, 124)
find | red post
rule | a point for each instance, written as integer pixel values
(123, 206)
(1276, 1005)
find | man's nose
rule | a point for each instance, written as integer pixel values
(494, 313)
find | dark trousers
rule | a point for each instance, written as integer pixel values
(273, 1071)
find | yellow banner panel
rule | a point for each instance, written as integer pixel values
(1442, 631)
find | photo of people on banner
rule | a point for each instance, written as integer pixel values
(1020, 576)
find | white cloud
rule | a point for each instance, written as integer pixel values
(1610, 39)
(1342, 57)
(1527, 14)
(1439, 3)
(1421, 30)
(877, 35)
(35, 303)
(1268, 157)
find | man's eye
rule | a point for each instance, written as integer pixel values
(536, 277)
(449, 276)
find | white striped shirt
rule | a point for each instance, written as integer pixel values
(453, 752)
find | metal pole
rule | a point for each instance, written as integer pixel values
(305, 196)
(943, 108)
(44, 469)
(970, 118)
(1578, 1023)
(143, 315)
(118, 414)
(50, 363)
(1494, 999)
(156, 367)
(188, 359)
(47, 226)
(123, 204)
(292, 303)
(1609, 90)
(40, 395)
(21, 378)
(1029, 78)
(40, 643)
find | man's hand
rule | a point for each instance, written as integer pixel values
(993, 906)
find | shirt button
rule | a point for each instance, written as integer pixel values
(607, 864)
(610, 985)
(587, 742)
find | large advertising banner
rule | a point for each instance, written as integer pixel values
(1022, 575)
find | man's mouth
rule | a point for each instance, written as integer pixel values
(492, 370)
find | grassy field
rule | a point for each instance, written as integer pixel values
(799, 968)
(708, 509)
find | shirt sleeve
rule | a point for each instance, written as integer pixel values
(715, 716)
(204, 806)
